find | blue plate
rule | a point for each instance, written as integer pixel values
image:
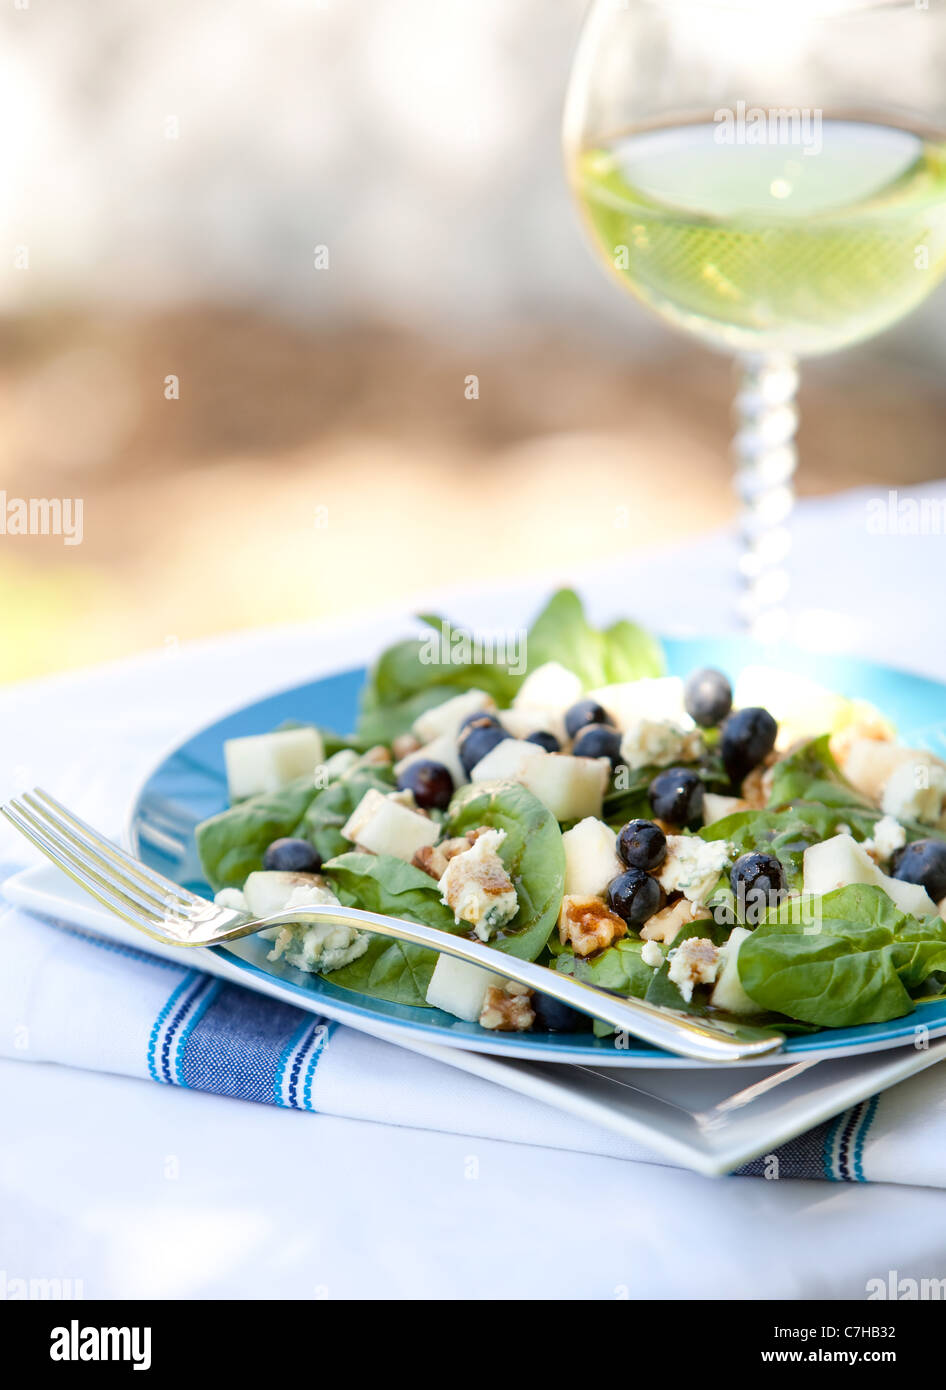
(190, 784)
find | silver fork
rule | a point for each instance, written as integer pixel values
(174, 916)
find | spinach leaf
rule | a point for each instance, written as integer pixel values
(810, 765)
(394, 970)
(858, 961)
(231, 844)
(333, 742)
(621, 652)
(619, 967)
(382, 723)
(812, 774)
(786, 834)
(414, 675)
(381, 883)
(418, 673)
(532, 852)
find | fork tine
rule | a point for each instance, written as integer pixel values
(58, 828)
(79, 873)
(115, 855)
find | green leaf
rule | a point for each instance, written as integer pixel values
(532, 853)
(619, 967)
(856, 959)
(414, 675)
(562, 633)
(786, 834)
(811, 774)
(231, 844)
(381, 883)
(631, 652)
(378, 723)
(394, 970)
(418, 673)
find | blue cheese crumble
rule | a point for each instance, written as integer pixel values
(693, 866)
(477, 887)
(694, 962)
(889, 836)
(659, 743)
(316, 947)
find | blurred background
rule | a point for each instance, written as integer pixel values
(293, 297)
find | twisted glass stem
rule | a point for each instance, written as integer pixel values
(765, 457)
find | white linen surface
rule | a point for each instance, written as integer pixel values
(145, 1190)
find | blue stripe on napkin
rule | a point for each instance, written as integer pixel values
(212, 1036)
(832, 1151)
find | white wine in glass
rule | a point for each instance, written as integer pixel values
(773, 226)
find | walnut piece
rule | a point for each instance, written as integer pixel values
(378, 756)
(433, 859)
(588, 925)
(405, 744)
(508, 1009)
(756, 788)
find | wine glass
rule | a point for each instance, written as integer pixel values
(770, 178)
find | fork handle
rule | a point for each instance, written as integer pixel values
(678, 1032)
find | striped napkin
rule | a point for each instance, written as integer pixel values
(74, 998)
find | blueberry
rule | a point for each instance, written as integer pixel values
(708, 697)
(482, 719)
(430, 782)
(642, 845)
(634, 895)
(480, 738)
(292, 856)
(758, 882)
(598, 741)
(676, 796)
(747, 738)
(552, 1016)
(545, 740)
(923, 862)
(585, 712)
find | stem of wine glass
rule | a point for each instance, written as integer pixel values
(765, 457)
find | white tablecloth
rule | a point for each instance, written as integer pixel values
(140, 1190)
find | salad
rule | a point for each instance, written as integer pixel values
(763, 849)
